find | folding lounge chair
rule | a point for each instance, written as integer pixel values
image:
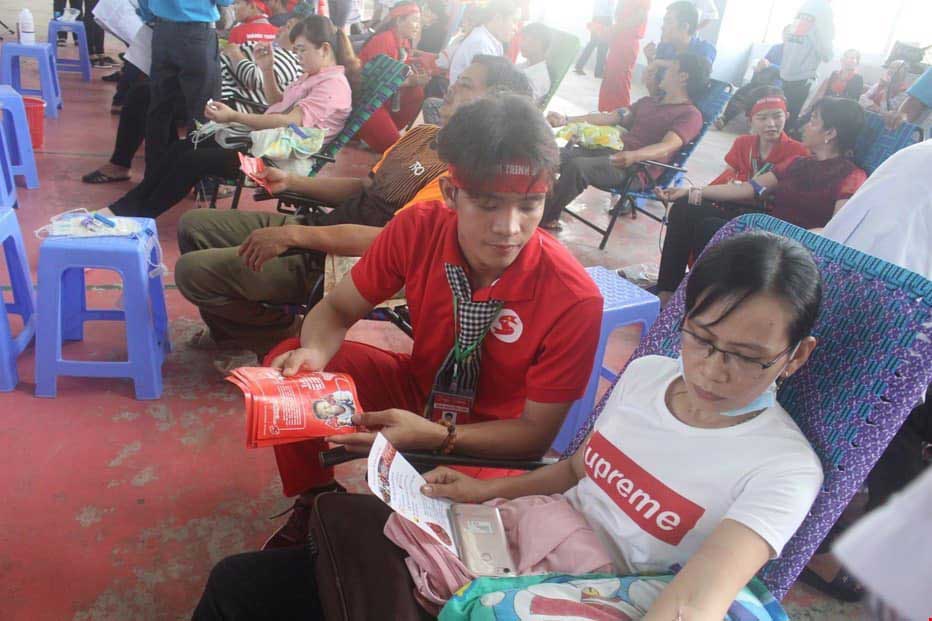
(871, 367)
(877, 142)
(381, 78)
(563, 50)
(711, 106)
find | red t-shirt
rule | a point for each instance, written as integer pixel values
(744, 157)
(652, 120)
(542, 345)
(809, 188)
(256, 30)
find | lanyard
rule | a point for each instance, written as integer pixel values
(459, 353)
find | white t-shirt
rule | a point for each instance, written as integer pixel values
(655, 487)
(539, 78)
(890, 216)
(479, 41)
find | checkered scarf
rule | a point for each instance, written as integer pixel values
(473, 318)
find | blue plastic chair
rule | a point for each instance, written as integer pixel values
(7, 184)
(624, 304)
(63, 309)
(711, 107)
(83, 64)
(15, 128)
(871, 367)
(23, 304)
(44, 53)
(877, 142)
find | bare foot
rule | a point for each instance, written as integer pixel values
(665, 297)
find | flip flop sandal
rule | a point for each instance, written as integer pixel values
(843, 586)
(97, 177)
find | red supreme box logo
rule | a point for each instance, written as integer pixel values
(653, 506)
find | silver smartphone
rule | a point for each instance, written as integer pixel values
(480, 539)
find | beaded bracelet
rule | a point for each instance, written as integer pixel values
(448, 442)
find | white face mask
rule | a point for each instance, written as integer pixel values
(82, 223)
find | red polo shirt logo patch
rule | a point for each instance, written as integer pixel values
(508, 327)
(653, 506)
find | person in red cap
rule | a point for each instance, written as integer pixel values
(253, 24)
(397, 38)
(506, 321)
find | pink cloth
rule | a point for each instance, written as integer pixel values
(325, 100)
(545, 535)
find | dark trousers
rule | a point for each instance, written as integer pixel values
(58, 6)
(271, 584)
(599, 46)
(95, 34)
(174, 176)
(580, 168)
(796, 94)
(132, 128)
(902, 461)
(185, 63)
(689, 229)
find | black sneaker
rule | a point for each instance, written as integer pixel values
(106, 61)
(294, 532)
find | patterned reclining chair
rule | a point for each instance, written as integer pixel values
(871, 367)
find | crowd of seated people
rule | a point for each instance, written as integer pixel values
(453, 214)
(216, 243)
(803, 190)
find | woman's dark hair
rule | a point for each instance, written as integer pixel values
(845, 116)
(319, 30)
(686, 14)
(757, 262)
(390, 22)
(501, 76)
(482, 136)
(698, 69)
(761, 92)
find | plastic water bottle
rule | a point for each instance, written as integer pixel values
(26, 27)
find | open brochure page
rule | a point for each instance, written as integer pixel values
(398, 484)
(308, 405)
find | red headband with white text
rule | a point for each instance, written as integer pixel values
(773, 102)
(512, 178)
(403, 11)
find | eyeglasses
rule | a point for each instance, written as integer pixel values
(736, 362)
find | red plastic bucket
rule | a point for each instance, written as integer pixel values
(35, 115)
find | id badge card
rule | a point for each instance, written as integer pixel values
(448, 406)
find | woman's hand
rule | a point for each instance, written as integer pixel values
(405, 430)
(556, 119)
(448, 483)
(219, 112)
(264, 244)
(276, 178)
(264, 55)
(417, 77)
(300, 359)
(670, 195)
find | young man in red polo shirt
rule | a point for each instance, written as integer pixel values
(520, 348)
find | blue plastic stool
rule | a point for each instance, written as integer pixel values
(83, 64)
(624, 304)
(23, 304)
(15, 128)
(63, 309)
(44, 53)
(7, 184)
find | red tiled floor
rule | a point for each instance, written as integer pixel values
(116, 508)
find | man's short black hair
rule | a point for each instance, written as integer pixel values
(501, 76)
(686, 14)
(495, 130)
(698, 70)
(539, 31)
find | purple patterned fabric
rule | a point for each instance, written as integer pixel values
(871, 367)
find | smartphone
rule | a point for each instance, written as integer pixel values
(480, 539)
